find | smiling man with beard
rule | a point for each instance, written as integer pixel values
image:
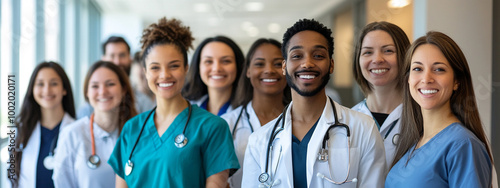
(315, 142)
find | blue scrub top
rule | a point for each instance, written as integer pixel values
(299, 158)
(222, 109)
(159, 163)
(455, 157)
(44, 175)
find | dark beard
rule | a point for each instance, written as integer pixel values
(324, 81)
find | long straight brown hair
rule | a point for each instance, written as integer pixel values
(31, 113)
(462, 101)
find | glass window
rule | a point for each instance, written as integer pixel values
(51, 11)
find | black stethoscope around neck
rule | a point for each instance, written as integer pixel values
(180, 140)
(244, 108)
(322, 155)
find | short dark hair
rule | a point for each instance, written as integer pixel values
(114, 39)
(303, 25)
(195, 88)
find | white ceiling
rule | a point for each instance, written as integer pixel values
(233, 18)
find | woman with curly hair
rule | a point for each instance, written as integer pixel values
(176, 144)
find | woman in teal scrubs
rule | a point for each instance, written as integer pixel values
(151, 150)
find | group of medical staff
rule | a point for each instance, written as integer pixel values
(264, 120)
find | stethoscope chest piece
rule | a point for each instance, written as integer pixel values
(128, 167)
(263, 177)
(395, 139)
(180, 141)
(48, 162)
(94, 161)
(323, 155)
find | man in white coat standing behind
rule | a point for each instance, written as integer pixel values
(313, 123)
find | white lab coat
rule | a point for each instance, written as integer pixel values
(391, 140)
(27, 176)
(70, 160)
(241, 135)
(205, 97)
(367, 156)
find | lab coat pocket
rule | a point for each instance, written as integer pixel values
(340, 168)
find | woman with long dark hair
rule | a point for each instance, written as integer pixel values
(213, 75)
(442, 143)
(262, 94)
(47, 109)
(80, 160)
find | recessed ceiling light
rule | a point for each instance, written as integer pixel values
(274, 28)
(254, 6)
(245, 25)
(253, 31)
(201, 7)
(398, 3)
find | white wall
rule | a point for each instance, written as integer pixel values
(127, 26)
(469, 23)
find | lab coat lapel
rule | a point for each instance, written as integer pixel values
(254, 120)
(30, 158)
(363, 108)
(285, 140)
(395, 114)
(314, 145)
(67, 119)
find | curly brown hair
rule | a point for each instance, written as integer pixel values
(166, 31)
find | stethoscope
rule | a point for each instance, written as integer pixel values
(391, 127)
(48, 161)
(322, 155)
(244, 108)
(180, 140)
(396, 136)
(94, 160)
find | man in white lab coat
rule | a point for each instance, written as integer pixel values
(356, 156)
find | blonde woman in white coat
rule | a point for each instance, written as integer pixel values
(377, 68)
(47, 109)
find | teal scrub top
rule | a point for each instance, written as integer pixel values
(159, 163)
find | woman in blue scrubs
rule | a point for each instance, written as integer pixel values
(442, 143)
(213, 76)
(176, 144)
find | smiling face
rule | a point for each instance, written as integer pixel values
(165, 71)
(48, 89)
(378, 59)
(117, 52)
(104, 91)
(309, 65)
(431, 79)
(265, 72)
(218, 66)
